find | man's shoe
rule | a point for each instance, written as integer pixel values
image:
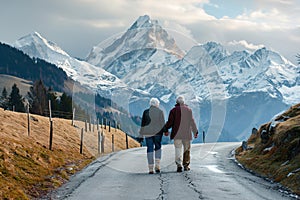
(151, 172)
(187, 168)
(179, 169)
(157, 170)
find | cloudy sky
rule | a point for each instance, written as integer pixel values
(78, 25)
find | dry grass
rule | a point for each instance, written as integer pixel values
(279, 158)
(28, 169)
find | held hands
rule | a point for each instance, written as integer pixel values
(196, 135)
(166, 133)
(140, 139)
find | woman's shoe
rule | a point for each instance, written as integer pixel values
(151, 171)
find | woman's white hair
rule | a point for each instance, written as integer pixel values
(180, 99)
(154, 102)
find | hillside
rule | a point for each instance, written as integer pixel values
(8, 81)
(28, 169)
(15, 63)
(274, 151)
(17, 67)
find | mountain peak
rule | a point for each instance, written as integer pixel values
(209, 46)
(36, 34)
(270, 56)
(86, 74)
(216, 51)
(143, 22)
(145, 33)
(35, 44)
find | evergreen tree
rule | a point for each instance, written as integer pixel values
(16, 100)
(65, 103)
(298, 58)
(38, 98)
(4, 93)
(4, 99)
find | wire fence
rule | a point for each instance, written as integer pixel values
(59, 114)
(97, 136)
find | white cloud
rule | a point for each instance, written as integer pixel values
(241, 45)
(274, 23)
(181, 11)
(183, 36)
(268, 20)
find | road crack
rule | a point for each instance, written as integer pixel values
(163, 183)
(193, 186)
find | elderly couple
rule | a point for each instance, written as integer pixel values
(153, 126)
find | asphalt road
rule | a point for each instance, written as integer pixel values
(214, 175)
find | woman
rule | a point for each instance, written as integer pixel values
(152, 123)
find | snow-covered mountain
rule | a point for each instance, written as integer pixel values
(240, 90)
(230, 93)
(88, 75)
(148, 59)
(243, 72)
(144, 34)
(208, 75)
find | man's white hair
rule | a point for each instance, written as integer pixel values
(180, 99)
(154, 102)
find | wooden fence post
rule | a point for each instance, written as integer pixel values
(99, 143)
(126, 140)
(90, 127)
(108, 126)
(102, 141)
(51, 126)
(73, 117)
(50, 112)
(93, 125)
(51, 135)
(112, 143)
(81, 141)
(85, 125)
(28, 120)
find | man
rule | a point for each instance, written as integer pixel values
(152, 123)
(182, 122)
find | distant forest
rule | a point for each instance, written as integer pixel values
(14, 62)
(49, 84)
